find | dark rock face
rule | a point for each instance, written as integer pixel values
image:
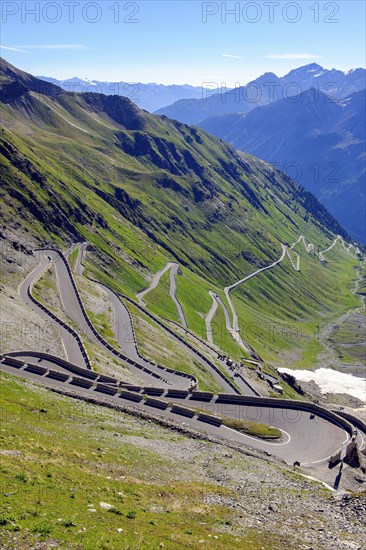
(118, 108)
(169, 183)
(12, 91)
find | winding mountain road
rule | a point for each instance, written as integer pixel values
(310, 434)
(228, 289)
(307, 437)
(154, 283)
(79, 268)
(210, 316)
(71, 346)
(345, 247)
(124, 333)
(173, 267)
(173, 289)
(233, 327)
(72, 306)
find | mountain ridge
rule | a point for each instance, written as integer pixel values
(266, 89)
(320, 141)
(149, 96)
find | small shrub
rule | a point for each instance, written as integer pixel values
(5, 519)
(69, 524)
(131, 514)
(21, 477)
(43, 529)
(115, 511)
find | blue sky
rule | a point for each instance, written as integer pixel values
(180, 41)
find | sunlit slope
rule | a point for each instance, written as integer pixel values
(145, 190)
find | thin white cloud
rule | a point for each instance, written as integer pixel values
(54, 47)
(231, 56)
(292, 56)
(10, 49)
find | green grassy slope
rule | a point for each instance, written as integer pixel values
(281, 310)
(144, 190)
(52, 494)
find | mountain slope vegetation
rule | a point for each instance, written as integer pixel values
(144, 190)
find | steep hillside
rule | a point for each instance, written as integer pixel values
(320, 142)
(145, 190)
(112, 479)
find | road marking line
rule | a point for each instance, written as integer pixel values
(265, 442)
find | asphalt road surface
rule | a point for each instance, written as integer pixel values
(307, 438)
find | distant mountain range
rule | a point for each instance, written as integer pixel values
(150, 97)
(320, 143)
(267, 89)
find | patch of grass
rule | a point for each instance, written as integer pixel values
(348, 339)
(116, 511)
(256, 429)
(157, 345)
(43, 529)
(45, 289)
(102, 323)
(5, 519)
(90, 462)
(159, 300)
(72, 258)
(192, 293)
